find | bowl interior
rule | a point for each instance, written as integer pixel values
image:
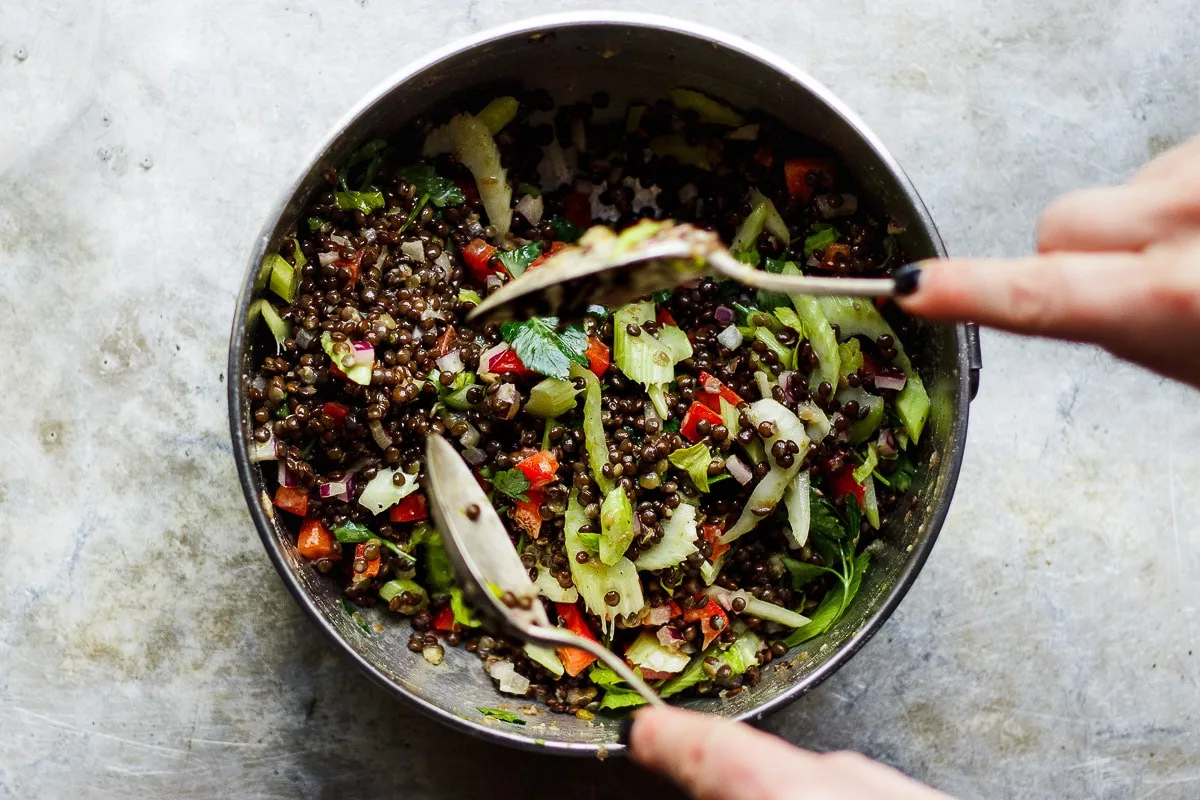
(630, 58)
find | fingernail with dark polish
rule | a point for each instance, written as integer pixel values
(625, 730)
(907, 278)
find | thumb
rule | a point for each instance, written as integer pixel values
(1079, 296)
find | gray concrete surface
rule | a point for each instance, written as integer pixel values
(1048, 649)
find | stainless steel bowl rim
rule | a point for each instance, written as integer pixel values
(967, 360)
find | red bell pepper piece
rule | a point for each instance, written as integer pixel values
(599, 356)
(315, 541)
(705, 616)
(691, 420)
(545, 256)
(372, 564)
(843, 484)
(480, 263)
(443, 620)
(574, 660)
(336, 411)
(292, 500)
(353, 265)
(712, 534)
(676, 611)
(445, 342)
(805, 175)
(507, 362)
(468, 188)
(713, 399)
(835, 257)
(663, 317)
(578, 209)
(411, 509)
(539, 469)
(655, 675)
(527, 513)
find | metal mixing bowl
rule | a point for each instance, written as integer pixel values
(629, 56)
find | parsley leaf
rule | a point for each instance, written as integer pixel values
(902, 478)
(564, 229)
(853, 516)
(513, 483)
(353, 533)
(517, 261)
(502, 715)
(825, 520)
(442, 191)
(366, 202)
(314, 223)
(543, 349)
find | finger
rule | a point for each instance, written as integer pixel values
(1113, 218)
(1180, 161)
(714, 758)
(1077, 296)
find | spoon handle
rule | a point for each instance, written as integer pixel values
(564, 638)
(729, 267)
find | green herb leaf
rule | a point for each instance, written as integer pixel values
(590, 542)
(825, 520)
(517, 261)
(513, 483)
(853, 516)
(621, 698)
(356, 617)
(605, 678)
(543, 349)
(902, 478)
(314, 223)
(442, 191)
(823, 234)
(803, 573)
(502, 715)
(564, 229)
(353, 533)
(366, 202)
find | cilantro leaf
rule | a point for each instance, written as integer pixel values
(442, 191)
(366, 202)
(502, 715)
(517, 261)
(564, 229)
(543, 349)
(513, 483)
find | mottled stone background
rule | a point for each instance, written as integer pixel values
(148, 649)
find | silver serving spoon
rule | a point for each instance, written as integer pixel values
(486, 564)
(611, 269)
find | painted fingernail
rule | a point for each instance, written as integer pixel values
(624, 732)
(907, 278)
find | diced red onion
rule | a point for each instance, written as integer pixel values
(474, 226)
(340, 240)
(474, 456)
(658, 615)
(531, 207)
(895, 381)
(508, 394)
(493, 283)
(712, 385)
(687, 193)
(829, 207)
(264, 451)
(668, 636)
(285, 476)
(746, 133)
(724, 315)
(326, 259)
(886, 444)
(511, 681)
(338, 490)
(304, 337)
(738, 469)
(451, 362)
(364, 353)
(259, 383)
(379, 434)
(637, 527)
(490, 355)
(730, 338)
(813, 261)
(370, 235)
(785, 383)
(414, 250)
(442, 262)
(471, 437)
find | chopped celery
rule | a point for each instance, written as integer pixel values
(470, 141)
(549, 426)
(819, 334)
(864, 470)
(396, 588)
(823, 235)
(381, 493)
(549, 587)
(786, 355)
(284, 279)
(763, 381)
(708, 109)
(740, 656)
(731, 420)
(694, 460)
(787, 315)
(498, 113)
(859, 317)
(674, 145)
(709, 570)
(438, 573)
(594, 580)
(541, 654)
(850, 354)
(297, 254)
(676, 342)
(799, 508)
(462, 615)
(745, 239)
(616, 525)
(279, 328)
(863, 429)
(743, 653)
(642, 358)
(593, 426)
(551, 397)
(816, 423)
(772, 221)
(871, 503)
(769, 491)
(648, 653)
(658, 397)
(678, 542)
(457, 398)
(617, 697)
(358, 372)
(469, 296)
(757, 608)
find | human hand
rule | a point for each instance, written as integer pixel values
(1117, 266)
(714, 758)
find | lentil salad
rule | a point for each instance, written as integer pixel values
(634, 488)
